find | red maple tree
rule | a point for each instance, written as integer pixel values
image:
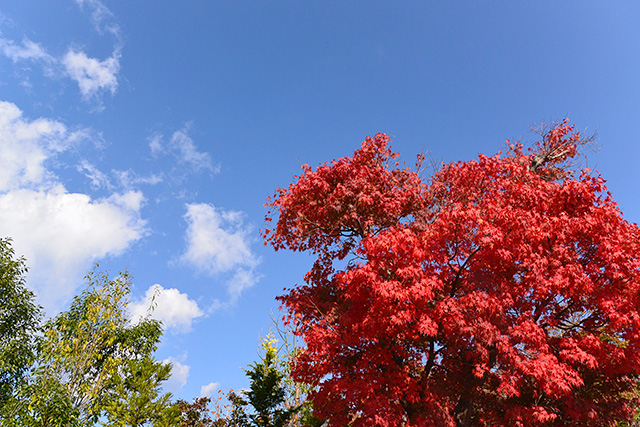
(503, 291)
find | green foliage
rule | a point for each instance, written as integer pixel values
(93, 365)
(19, 322)
(44, 403)
(135, 398)
(273, 399)
(267, 393)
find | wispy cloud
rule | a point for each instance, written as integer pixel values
(187, 153)
(101, 17)
(98, 178)
(173, 308)
(243, 278)
(130, 178)
(183, 149)
(93, 76)
(28, 50)
(218, 243)
(125, 180)
(156, 145)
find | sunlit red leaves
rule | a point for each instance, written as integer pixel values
(343, 199)
(497, 290)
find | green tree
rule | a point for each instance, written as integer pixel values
(136, 398)
(19, 322)
(93, 363)
(266, 393)
(273, 399)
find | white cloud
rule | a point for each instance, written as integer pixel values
(155, 144)
(183, 144)
(129, 178)
(182, 147)
(98, 178)
(91, 74)
(209, 389)
(131, 201)
(126, 179)
(179, 375)
(99, 14)
(174, 309)
(242, 279)
(25, 146)
(218, 242)
(28, 50)
(60, 233)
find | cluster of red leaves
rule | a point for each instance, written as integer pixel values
(492, 296)
(326, 211)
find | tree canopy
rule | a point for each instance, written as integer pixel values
(502, 291)
(91, 365)
(19, 321)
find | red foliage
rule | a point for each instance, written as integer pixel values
(498, 294)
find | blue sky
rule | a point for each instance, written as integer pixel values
(146, 135)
